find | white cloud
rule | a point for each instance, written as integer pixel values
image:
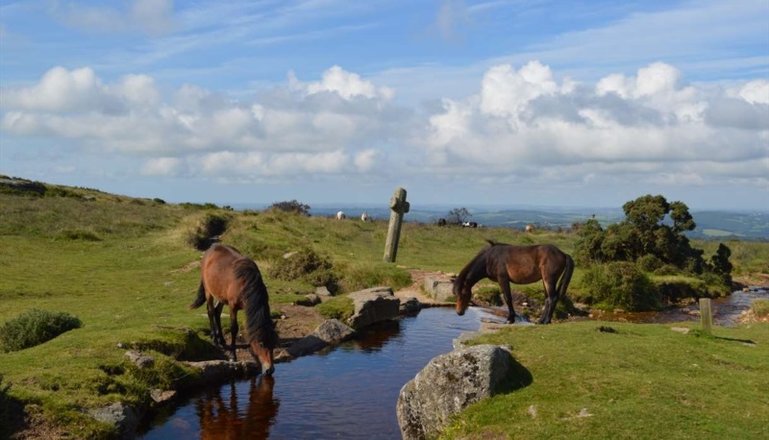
(523, 124)
(287, 131)
(755, 92)
(348, 85)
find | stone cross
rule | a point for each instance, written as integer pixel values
(398, 207)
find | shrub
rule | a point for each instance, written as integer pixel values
(760, 307)
(649, 263)
(621, 284)
(35, 327)
(211, 226)
(340, 307)
(308, 266)
(292, 206)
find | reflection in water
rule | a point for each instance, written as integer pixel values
(220, 416)
(349, 392)
(376, 336)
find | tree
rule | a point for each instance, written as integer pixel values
(720, 262)
(292, 206)
(457, 216)
(646, 230)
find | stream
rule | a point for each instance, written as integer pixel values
(348, 392)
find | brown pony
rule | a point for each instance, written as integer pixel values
(229, 278)
(507, 264)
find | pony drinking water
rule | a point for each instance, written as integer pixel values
(507, 264)
(228, 278)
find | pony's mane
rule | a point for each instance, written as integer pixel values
(257, 308)
(460, 280)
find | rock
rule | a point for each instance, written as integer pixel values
(159, 396)
(139, 359)
(124, 417)
(373, 305)
(410, 306)
(683, 330)
(322, 291)
(310, 300)
(439, 288)
(333, 331)
(306, 345)
(452, 381)
(218, 370)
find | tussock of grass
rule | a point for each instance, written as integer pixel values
(760, 307)
(35, 327)
(340, 307)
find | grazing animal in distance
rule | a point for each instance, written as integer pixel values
(340, 215)
(231, 279)
(364, 217)
(505, 264)
(529, 228)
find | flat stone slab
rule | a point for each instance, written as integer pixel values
(440, 288)
(372, 306)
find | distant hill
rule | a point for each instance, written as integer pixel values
(710, 224)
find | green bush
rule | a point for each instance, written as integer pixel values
(340, 307)
(649, 263)
(35, 327)
(621, 285)
(308, 266)
(760, 307)
(292, 206)
(211, 226)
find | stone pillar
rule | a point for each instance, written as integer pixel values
(398, 207)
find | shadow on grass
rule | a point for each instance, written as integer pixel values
(518, 377)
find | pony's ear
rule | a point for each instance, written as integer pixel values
(490, 242)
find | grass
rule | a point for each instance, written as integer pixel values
(760, 307)
(340, 307)
(644, 381)
(124, 268)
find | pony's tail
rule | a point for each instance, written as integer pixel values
(563, 283)
(201, 298)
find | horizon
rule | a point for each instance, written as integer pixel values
(482, 103)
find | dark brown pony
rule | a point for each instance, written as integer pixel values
(228, 278)
(507, 264)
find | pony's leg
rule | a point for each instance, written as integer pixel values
(551, 294)
(218, 321)
(211, 310)
(233, 331)
(504, 286)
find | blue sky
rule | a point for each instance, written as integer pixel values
(495, 102)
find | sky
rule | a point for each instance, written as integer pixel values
(463, 103)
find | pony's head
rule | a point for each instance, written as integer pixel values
(262, 347)
(462, 292)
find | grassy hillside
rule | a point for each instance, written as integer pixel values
(124, 268)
